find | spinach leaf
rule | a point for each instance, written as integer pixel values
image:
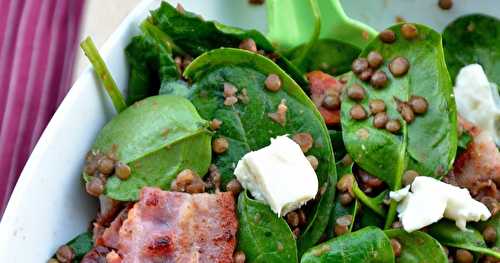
(448, 234)
(417, 247)
(473, 39)
(463, 142)
(262, 235)
(374, 203)
(81, 244)
(340, 210)
(157, 137)
(369, 244)
(338, 146)
(247, 127)
(494, 222)
(429, 144)
(196, 36)
(151, 65)
(367, 217)
(328, 55)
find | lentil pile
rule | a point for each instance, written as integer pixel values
(99, 167)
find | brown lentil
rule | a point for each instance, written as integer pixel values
(243, 96)
(90, 167)
(95, 187)
(280, 115)
(387, 36)
(393, 126)
(375, 59)
(380, 120)
(331, 102)
(345, 183)
(215, 124)
(359, 65)
(418, 104)
(296, 232)
(344, 220)
(197, 186)
(399, 66)
(409, 176)
(273, 82)
(356, 92)
(234, 187)
(220, 145)
(188, 181)
(346, 160)
(230, 101)
(406, 112)
(65, 254)
(445, 4)
(409, 31)
(239, 257)
(229, 90)
(292, 219)
(366, 75)
(463, 256)
(379, 79)
(490, 234)
(491, 203)
(397, 224)
(357, 112)
(248, 44)
(302, 217)
(304, 140)
(368, 180)
(122, 171)
(396, 247)
(313, 161)
(340, 229)
(345, 199)
(105, 166)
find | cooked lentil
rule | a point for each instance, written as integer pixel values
(302, 217)
(356, 92)
(95, 187)
(357, 112)
(396, 247)
(345, 183)
(273, 82)
(105, 166)
(331, 101)
(248, 44)
(65, 254)
(340, 229)
(409, 31)
(393, 126)
(215, 124)
(230, 101)
(463, 256)
(345, 199)
(380, 120)
(313, 161)
(399, 66)
(366, 75)
(280, 115)
(445, 4)
(418, 104)
(406, 112)
(359, 65)
(409, 176)
(239, 257)
(234, 187)
(375, 59)
(292, 219)
(387, 36)
(379, 79)
(304, 140)
(220, 145)
(229, 90)
(122, 171)
(490, 234)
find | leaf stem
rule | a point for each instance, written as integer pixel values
(366, 200)
(103, 73)
(151, 29)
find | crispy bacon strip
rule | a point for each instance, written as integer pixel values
(178, 227)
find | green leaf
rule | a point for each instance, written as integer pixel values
(247, 126)
(374, 203)
(340, 210)
(369, 244)
(151, 66)
(81, 244)
(429, 144)
(494, 221)
(338, 146)
(157, 137)
(262, 235)
(328, 55)
(417, 247)
(176, 88)
(449, 235)
(473, 39)
(196, 36)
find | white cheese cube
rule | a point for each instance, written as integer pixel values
(431, 199)
(279, 175)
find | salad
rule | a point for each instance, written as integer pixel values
(229, 148)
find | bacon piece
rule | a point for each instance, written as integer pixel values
(178, 227)
(109, 236)
(96, 255)
(478, 167)
(320, 83)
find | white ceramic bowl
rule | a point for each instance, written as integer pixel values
(49, 206)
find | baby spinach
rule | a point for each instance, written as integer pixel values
(246, 124)
(369, 244)
(473, 39)
(328, 55)
(195, 36)
(428, 145)
(157, 137)
(448, 234)
(494, 222)
(417, 247)
(338, 146)
(262, 235)
(151, 66)
(80, 245)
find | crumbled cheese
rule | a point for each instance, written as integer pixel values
(279, 175)
(431, 199)
(477, 100)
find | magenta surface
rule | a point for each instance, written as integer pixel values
(38, 43)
